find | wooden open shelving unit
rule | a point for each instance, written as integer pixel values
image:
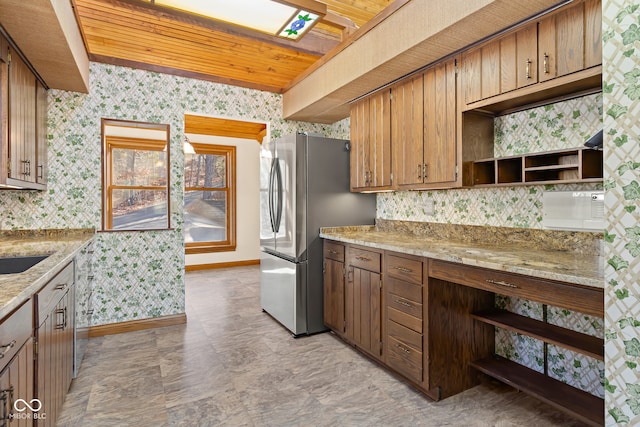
(551, 167)
(579, 404)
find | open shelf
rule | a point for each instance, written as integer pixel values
(551, 167)
(575, 341)
(579, 404)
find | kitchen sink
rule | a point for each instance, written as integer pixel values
(18, 264)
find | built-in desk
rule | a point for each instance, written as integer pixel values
(453, 282)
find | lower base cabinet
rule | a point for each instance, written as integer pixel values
(16, 368)
(54, 338)
(433, 323)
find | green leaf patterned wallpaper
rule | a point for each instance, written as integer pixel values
(138, 275)
(621, 102)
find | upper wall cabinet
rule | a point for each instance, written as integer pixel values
(371, 142)
(555, 55)
(424, 129)
(23, 135)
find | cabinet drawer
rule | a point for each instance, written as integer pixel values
(405, 290)
(15, 330)
(573, 297)
(404, 319)
(404, 359)
(404, 305)
(362, 258)
(333, 251)
(51, 293)
(406, 269)
(405, 335)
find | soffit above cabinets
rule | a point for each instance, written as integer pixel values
(418, 33)
(47, 33)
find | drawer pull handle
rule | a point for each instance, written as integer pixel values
(363, 258)
(501, 283)
(406, 350)
(527, 72)
(406, 304)
(332, 252)
(404, 269)
(61, 287)
(6, 348)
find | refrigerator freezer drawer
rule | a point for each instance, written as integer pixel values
(283, 291)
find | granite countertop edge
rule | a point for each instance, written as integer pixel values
(479, 256)
(63, 246)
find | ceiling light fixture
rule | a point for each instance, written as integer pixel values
(289, 19)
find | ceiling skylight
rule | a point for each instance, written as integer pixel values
(287, 19)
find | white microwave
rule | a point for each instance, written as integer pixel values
(573, 210)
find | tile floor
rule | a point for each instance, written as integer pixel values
(232, 365)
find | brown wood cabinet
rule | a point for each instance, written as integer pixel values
(23, 128)
(334, 282)
(363, 300)
(557, 44)
(16, 367)
(404, 316)
(371, 142)
(54, 338)
(424, 129)
(439, 321)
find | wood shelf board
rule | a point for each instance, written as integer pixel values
(551, 167)
(575, 341)
(579, 404)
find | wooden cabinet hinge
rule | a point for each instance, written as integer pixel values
(35, 347)
(380, 348)
(9, 58)
(324, 267)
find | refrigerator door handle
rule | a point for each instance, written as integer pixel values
(272, 177)
(280, 196)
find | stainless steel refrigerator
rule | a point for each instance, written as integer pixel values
(304, 185)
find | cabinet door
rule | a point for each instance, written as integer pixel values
(55, 358)
(334, 294)
(359, 155)
(526, 55)
(22, 119)
(491, 69)
(561, 43)
(440, 142)
(407, 131)
(592, 33)
(380, 139)
(16, 382)
(41, 134)
(362, 310)
(472, 75)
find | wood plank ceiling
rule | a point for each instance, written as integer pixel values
(138, 34)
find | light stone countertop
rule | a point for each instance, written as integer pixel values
(62, 245)
(564, 266)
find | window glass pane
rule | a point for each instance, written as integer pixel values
(205, 170)
(205, 216)
(139, 167)
(139, 209)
